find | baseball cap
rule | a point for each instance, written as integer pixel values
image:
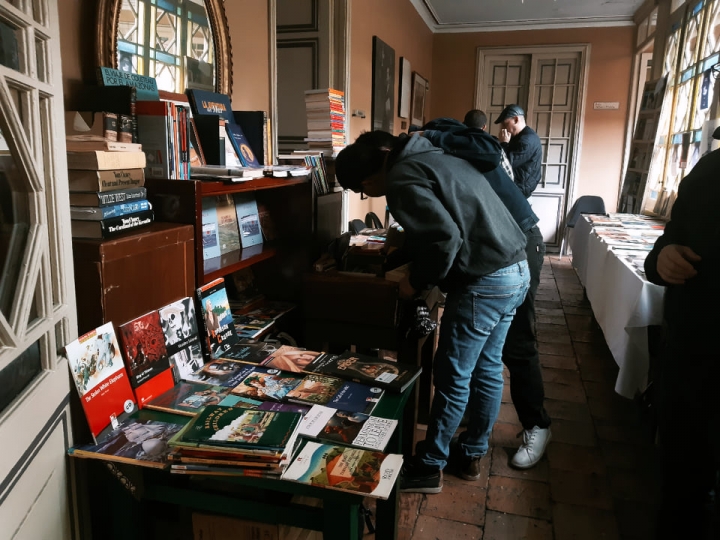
(510, 111)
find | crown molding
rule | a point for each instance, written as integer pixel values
(430, 18)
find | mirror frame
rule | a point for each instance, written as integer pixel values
(108, 16)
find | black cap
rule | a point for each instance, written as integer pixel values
(716, 133)
(511, 111)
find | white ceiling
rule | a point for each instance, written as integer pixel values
(495, 15)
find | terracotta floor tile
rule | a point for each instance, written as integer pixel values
(554, 312)
(409, 511)
(568, 410)
(574, 458)
(581, 322)
(558, 320)
(565, 392)
(501, 466)
(562, 376)
(577, 310)
(607, 375)
(621, 455)
(571, 487)
(548, 303)
(560, 349)
(587, 337)
(432, 528)
(444, 505)
(505, 435)
(500, 526)
(594, 351)
(573, 522)
(559, 362)
(626, 434)
(508, 415)
(578, 433)
(546, 335)
(522, 497)
(506, 394)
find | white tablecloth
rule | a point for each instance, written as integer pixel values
(624, 305)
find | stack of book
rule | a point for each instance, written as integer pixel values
(106, 178)
(325, 109)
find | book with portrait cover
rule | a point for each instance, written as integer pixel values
(366, 369)
(255, 352)
(262, 383)
(179, 324)
(353, 429)
(146, 357)
(356, 397)
(315, 389)
(221, 372)
(139, 442)
(290, 358)
(188, 398)
(217, 319)
(368, 472)
(97, 367)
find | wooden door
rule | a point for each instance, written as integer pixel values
(37, 299)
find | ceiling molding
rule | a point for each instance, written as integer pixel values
(430, 18)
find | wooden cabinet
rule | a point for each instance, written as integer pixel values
(124, 277)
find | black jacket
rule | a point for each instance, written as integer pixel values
(456, 228)
(484, 151)
(691, 310)
(525, 154)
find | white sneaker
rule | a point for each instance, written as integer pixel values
(535, 441)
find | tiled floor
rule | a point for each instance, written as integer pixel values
(596, 480)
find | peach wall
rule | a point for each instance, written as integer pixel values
(603, 139)
(398, 24)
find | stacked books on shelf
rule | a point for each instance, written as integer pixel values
(325, 110)
(106, 177)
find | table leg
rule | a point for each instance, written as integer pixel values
(387, 515)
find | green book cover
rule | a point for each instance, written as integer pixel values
(239, 427)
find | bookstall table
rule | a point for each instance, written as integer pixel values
(623, 303)
(256, 499)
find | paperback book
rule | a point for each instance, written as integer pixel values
(315, 389)
(356, 397)
(367, 370)
(102, 382)
(343, 468)
(221, 372)
(188, 398)
(179, 325)
(262, 383)
(218, 325)
(255, 352)
(232, 400)
(139, 442)
(354, 429)
(248, 220)
(290, 358)
(112, 226)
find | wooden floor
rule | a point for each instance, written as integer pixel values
(596, 480)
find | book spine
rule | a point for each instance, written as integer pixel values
(114, 226)
(121, 196)
(106, 212)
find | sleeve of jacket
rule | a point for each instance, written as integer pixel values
(467, 145)
(432, 238)
(519, 154)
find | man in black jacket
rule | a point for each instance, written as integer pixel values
(460, 237)
(686, 259)
(520, 353)
(522, 146)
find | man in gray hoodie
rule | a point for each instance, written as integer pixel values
(460, 237)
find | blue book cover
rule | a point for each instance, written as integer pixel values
(248, 219)
(241, 145)
(146, 86)
(217, 319)
(210, 238)
(206, 102)
(92, 213)
(356, 397)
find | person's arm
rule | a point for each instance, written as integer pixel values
(472, 145)
(520, 153)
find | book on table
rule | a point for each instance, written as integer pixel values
(221, 372)
(182, 341)
(271, 384)
(188, 398)
(315, 389)
(367, 472)
(290, 358)
(356, 397)
(250, 352)
(97, 368)
(109, 227)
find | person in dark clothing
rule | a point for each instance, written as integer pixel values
(686, 259)
(523, 148)
(460, 237)
(476, 118)
(520, 353)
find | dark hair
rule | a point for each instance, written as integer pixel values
(363, 158)
(475, 119)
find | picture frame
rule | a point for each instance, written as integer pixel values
(383, 86)
(417, 107)
(405, 89)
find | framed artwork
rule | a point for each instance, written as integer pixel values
(419, 90)
(405, 88)
(383, 86)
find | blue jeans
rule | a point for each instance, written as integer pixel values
(468, 363)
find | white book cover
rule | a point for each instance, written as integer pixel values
(354, 429)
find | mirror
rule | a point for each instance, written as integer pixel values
(182, 43)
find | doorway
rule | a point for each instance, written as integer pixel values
(549, 84)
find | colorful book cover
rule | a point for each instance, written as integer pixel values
(237, 427)
(228, 234)
(248, 220)
(238, 401)
(97, 368)
(222, 372)
(217, 319)
(139, 442)
(241, 145)
(206, 102)
(146, 86)
(267, 384)
(250, 353)
(283, 407)
(210, 237)
(367, 370)
(356, 397)
(188, 398)
(315, 389)
(343, 468)
(188, 361)
(353, 429)
(179, 324)
(290, 358)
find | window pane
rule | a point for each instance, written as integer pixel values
(10, 40)
(16, 376)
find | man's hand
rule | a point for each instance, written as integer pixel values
(405, 290)
(674, 263)
(504, 135)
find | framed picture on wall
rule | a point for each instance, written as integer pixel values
(417, 107)
(383, 86)
(405, 88)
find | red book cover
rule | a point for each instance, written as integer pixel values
(144, 352)
(155, 387)
(97, 368)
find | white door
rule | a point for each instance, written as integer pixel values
(37, 300)
(548, 85)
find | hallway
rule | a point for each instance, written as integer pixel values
(595, 481)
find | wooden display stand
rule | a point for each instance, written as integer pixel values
(124, 277)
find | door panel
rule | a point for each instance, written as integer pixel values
(548, 207)
(506, 78)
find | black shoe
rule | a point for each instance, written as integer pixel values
(472, 469)
(420, 479)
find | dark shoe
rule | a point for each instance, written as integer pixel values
(420, 479)
(472, 469)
